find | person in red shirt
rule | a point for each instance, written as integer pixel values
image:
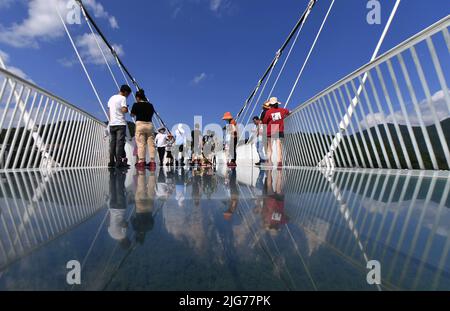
(274, 119)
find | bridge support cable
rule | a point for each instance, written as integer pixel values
(255, 105)
(309, 55)
(286, 59)
(121, 65)
(100, 48)
(297, 26)
(260, 95)
(328, 160)
(81, 61)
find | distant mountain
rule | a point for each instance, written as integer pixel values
(354, 139)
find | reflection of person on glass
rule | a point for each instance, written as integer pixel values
(162, 189)
(117, 208)
(273, 213)
(196, 187)
(234, 196)
(142, 220)
(180, 187)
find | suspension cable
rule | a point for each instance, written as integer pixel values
(299, 23)
(249, 103)
(286, 60)
(256, 104)
(111, 48)
(345, 122)
(121, 65)
(100, 48)
(309, 54)
(81, 61)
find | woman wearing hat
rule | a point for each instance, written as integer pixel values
(231, 138)
(143, 111)
(274, 119)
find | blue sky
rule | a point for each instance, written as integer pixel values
(202, 57)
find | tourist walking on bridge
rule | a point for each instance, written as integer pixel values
(170, 142)
(231, 139)
(274, 119)
(118, 108)
(143, 111)
(161, 144)
(180, 142)
(261, 140)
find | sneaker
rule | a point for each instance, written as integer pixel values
(152, 165)
(122, 166)
(125, 162)
(111, 165)
(140, 165)
(280, 164)
(258, 164)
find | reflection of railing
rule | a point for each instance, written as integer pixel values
(36, 208)
(413, 251)
(40, 130)
(392, 113)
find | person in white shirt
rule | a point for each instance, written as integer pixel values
(180, 142)
(118, 108)
(261, 141)
(161, 143)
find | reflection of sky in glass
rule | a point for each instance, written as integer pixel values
(245, 230)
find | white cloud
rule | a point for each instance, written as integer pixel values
(113, 22)
(15, 70)
(4, 56)
(100, 12)
(91, 53)
(19, 72)
(42, 23)
(437, 101)
(176, 12)
(214, 5)
(221, 6)
(198, 79)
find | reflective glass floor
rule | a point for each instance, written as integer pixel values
(244, 229)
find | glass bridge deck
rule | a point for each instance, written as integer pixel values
(244, 229)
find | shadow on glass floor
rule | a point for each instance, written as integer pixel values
(245, 229)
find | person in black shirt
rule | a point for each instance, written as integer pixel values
(143, 111)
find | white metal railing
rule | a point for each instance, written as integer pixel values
(393, 216)
(36, 208)
(394, 112)
(41, 130)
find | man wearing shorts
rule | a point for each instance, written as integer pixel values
(274, 119)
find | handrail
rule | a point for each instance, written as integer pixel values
(49, 94)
